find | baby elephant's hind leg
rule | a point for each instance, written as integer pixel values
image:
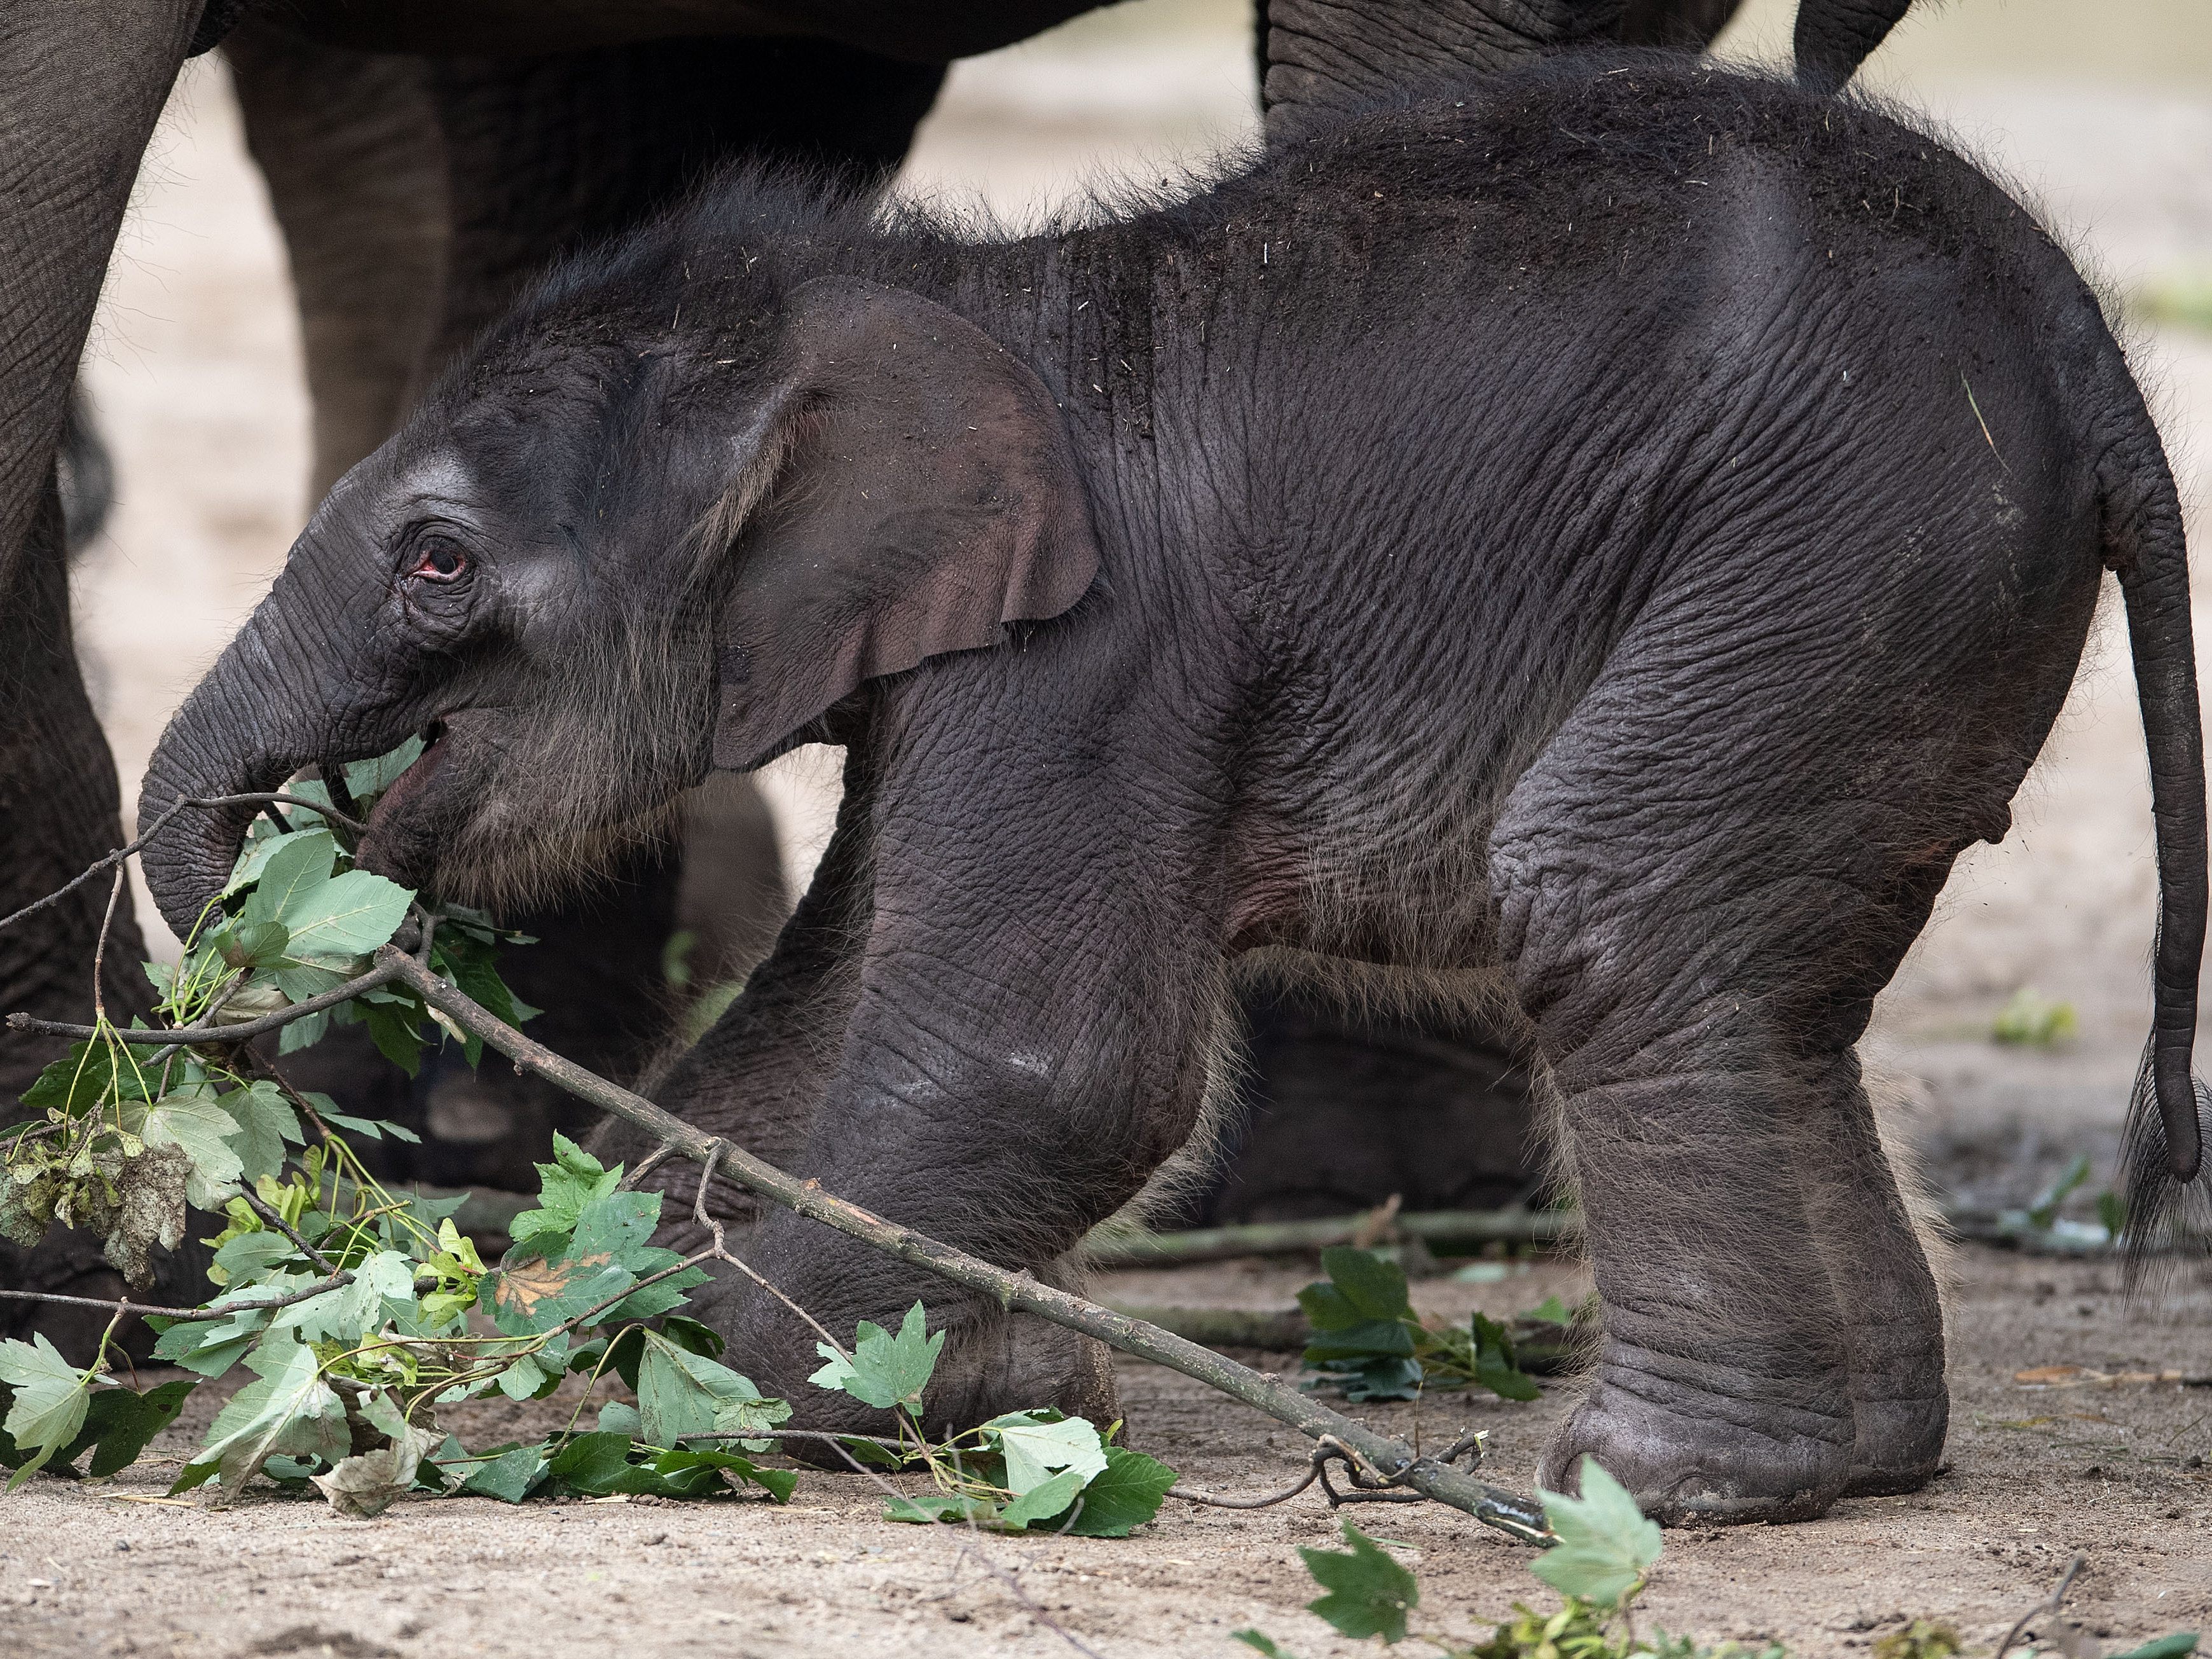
(1887, 1297)
(1699, 909)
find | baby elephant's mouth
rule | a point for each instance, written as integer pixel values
(417, 778)
(414, 819)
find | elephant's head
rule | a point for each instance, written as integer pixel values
(610, 552)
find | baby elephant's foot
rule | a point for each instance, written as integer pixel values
(1697, 1443)
(1900, 1437)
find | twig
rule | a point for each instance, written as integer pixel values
(646, 1165)
(264, 798)
(270, 1216)
(1123, 1249)
(1368, 1490)
(2050, 1604)
(196, 1315)
(383, 974)
(1392, 1460)
(721, 1253)
(100, 950)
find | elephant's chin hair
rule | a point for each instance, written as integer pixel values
(506, 872)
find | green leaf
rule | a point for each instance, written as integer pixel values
(1037, 1447)
(288, 1408)
(1369, 1593)
(118, 1423)
(253, 863)
(744, 1412)
(1372, 1379)
(395, 1028)
(375, 1127)
(928, 1510)
(121, 1423)
(1375, 1288)
(85, 1076)
(510, 1477)
(212, 1347)
(50, 1404)
(1377, 1339)
(534, 1295)
(252, 943)
(1553, 1310)
(573, 1180)
(352, 1311)
(681, 1392)
(1266, 1644)
(602, 1465)
(1046, 1498)
(249, 1257)
(616, 1227)
(1496, 1366)
(472, 965)
(884, 1370)
(692, 1336)
(266, 1123)
(1124, 1497)
(347, 915)
(672, 1402)
(1605, 1546)
(300, 865)
(2178, 1645)
(367, 779)
(201, 1129)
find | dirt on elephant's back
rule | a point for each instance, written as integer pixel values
(2116, 1471)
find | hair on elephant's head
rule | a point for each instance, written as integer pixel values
(626, 541)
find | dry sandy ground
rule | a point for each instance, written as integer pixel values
(2036, 1475)
(195, 374)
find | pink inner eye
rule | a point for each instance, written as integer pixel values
(439, 560)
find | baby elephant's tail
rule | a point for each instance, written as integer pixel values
(2163, 1151)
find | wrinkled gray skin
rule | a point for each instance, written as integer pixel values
(418, 186)
(1637, 621)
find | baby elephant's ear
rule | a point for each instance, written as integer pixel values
(917, 494)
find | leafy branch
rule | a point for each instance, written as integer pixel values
(300, 939)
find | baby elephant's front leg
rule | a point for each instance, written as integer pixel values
(1028, 1043)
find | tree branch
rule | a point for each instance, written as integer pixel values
(194, 1314)
(185, 1036)
(1396, 1463)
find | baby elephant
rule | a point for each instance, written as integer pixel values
(1604, 539)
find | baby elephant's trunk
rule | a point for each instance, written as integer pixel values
(240, 731)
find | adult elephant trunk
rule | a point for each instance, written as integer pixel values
(259, 715)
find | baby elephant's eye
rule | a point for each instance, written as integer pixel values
(438, 559)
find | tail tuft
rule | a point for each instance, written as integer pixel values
(2167, 1218)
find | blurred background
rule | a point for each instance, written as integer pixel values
(2099, 116)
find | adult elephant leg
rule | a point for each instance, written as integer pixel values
(348, 145)
(80, 90)
(81, 86)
